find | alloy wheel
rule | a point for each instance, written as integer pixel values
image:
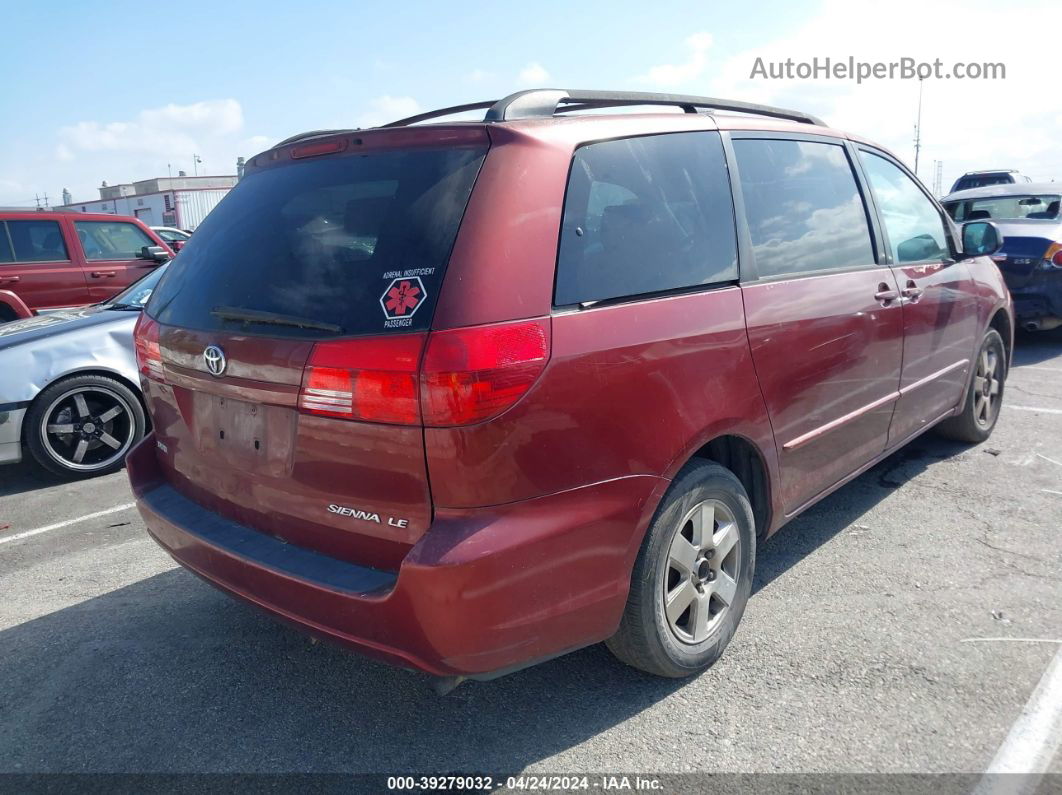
(88, 428)
(986, 387)
(700, 579)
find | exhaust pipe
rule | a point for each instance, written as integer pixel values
(1042, 324)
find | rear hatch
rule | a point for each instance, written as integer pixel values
(290, 331)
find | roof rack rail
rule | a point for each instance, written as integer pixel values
(542, 103)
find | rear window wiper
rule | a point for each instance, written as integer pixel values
(271, 318)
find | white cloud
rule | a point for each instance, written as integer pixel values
(167, 130)
(478, 76)
(387, 109)
(255, 144)
(534, 74)
(667, 75)
(146, 144)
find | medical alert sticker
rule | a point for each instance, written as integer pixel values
(401, 300)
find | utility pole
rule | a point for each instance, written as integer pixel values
(918, 127)
(196, 160)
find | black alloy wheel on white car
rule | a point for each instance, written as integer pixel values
(84, 426)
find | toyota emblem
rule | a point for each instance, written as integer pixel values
(215, 359)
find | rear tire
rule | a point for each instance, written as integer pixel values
(83, 426)
(693, 575)
(984, 396)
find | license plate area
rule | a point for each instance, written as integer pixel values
(249, 436)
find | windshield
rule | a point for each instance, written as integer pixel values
(1042, 207)
(138, 293)
(337, 245)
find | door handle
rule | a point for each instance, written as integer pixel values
(9, 279)
(912, 291)
(100, 274)
(885, 295)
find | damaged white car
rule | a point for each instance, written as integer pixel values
(69, 392)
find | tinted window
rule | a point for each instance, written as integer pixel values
(912, 223)
(111, 239)
(644, 215)
(37, 241)
(982, 182)
(356, 243)
(1007, 208)
(803, 206)
(6, 254)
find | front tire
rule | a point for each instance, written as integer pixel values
(693, 575)
(83, 426)
(984, 396)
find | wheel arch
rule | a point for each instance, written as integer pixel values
(1001, 321)
(100, 371)
(744, 458)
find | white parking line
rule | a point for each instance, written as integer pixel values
(1032, 408)
(67, 523)
(1033, 739)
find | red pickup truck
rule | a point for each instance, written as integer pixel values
(51, 260)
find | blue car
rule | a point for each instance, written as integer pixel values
(1027, 215)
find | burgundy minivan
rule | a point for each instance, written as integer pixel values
(467, 396)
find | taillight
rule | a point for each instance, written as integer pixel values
(471, 374)
(148, 353)
(1053, 256)
(370, 379)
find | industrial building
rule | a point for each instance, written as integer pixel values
(182, 201)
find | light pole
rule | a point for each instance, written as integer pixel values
(918, 126)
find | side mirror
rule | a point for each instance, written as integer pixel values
(156, 253)
(981, 238)
(177, 245)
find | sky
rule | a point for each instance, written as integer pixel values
(132, 90)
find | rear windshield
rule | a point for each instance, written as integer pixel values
(1006, 208)
(325, 247)
(983, 182)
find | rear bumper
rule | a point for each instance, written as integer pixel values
(484, 591)
(1040, 296)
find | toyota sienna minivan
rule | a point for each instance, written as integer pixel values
(467, 396)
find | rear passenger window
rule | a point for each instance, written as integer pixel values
(644, 215)
(104, 240)
(803, 206)
(37, 241)
(912, 222)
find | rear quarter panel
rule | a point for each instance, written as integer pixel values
(632, 389)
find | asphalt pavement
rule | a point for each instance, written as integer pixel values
(901, 625)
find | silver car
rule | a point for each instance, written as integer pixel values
(69, 391)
